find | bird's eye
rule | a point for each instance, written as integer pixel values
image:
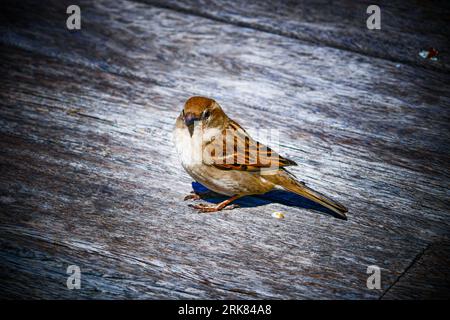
(206, 114)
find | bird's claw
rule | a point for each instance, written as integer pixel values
(231, 207)
(201, 207)
(204, 208)
(192, 196)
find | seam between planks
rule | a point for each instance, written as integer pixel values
(412, 263)
(269, 30)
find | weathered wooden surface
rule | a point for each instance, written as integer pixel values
(89, 175)
(406, 26)
(428, 276)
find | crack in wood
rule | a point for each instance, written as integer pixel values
(256, 24)
(405, 271)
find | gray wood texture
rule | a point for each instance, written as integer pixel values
(407, 27)
(428, 276)
(89, 174)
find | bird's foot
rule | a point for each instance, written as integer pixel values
(201, 195)
(212, 208)
(192, 196)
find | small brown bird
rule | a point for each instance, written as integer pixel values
(218, 153)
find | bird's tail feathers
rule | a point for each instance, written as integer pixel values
(289, 182)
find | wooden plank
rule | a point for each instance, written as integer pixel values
(407, 27)
(427, 278)
(90, 176)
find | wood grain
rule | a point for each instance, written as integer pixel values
(89, 175)
(407, 27)
(427, 278)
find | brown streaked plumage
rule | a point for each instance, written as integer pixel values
(217, 152)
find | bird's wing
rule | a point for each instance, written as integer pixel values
(234, 149)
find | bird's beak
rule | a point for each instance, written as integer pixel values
(189, 120)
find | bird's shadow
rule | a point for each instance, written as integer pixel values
(274, 196)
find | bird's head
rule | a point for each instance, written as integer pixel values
(204, 111)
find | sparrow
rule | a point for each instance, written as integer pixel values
(218, 153)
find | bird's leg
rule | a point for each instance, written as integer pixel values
(201, 195)
(217, 207)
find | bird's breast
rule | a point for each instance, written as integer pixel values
(189, 151)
